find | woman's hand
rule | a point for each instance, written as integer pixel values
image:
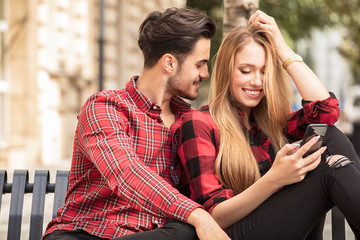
(290, 166)
(269, 24)
(308, 84)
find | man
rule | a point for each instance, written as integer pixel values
(124, 170)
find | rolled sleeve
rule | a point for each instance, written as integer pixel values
(323, 111)
(326, 111)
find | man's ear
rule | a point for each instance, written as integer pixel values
(169, 62)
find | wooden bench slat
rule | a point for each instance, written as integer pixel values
(41, 180)
(20, 179)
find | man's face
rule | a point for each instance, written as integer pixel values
(185, 82)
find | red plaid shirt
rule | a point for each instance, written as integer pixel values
(124, 168)
(200, 140)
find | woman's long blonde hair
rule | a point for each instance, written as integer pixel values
(236, 165)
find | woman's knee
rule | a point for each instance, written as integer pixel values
(334, 134)
(338, 144)
(337, 161)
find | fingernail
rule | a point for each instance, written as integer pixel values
(317, 137)
(296, 146)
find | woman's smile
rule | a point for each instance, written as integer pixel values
(252, 92)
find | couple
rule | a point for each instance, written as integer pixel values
(254, 184)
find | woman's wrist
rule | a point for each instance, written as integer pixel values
(285, 52)
(197, 216)
(272, 180)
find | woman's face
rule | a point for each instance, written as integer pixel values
(248, 76)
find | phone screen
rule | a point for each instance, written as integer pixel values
(311, 131)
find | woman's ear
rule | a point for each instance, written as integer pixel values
(169, 62)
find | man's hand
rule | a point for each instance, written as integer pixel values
(205, 225)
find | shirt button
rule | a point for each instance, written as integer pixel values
(172, 167)
(154, 107)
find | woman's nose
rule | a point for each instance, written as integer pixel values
(257, 80)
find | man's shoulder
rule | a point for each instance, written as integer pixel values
(119, 96)
(108, 102)
(115, 96)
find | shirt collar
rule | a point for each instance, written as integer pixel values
(177, 104)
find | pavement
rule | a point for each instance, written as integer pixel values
(5, 205)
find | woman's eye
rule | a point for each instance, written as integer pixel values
(245, 71)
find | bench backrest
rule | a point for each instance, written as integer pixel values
(41, 186)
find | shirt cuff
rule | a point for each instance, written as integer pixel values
(324, 111)
(182, 208)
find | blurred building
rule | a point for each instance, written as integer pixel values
(49, 65)
(322, 53)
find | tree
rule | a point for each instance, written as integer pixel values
(237, 13)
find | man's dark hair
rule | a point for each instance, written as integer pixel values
(174, 31)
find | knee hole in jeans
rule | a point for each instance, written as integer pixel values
(337, 161)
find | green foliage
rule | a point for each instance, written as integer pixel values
(347, 13)
(297, 18)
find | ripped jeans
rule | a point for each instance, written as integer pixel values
(295, 210)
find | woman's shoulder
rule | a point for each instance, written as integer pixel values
(201, 114)
(199, 124)
(200, 118)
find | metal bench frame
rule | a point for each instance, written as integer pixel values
(41, 186)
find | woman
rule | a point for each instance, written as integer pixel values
(236, 152)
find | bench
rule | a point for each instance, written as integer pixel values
(41, 186)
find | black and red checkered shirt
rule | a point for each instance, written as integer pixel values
(124, 170)
(199, 143)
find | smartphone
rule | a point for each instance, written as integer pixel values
(313, 130)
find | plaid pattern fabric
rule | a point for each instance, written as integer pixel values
(124, 169)
(199, 143)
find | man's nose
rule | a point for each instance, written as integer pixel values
(204, 74)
